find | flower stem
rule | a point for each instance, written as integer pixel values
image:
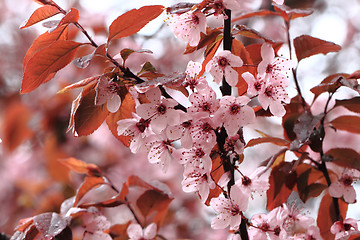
(227, 42)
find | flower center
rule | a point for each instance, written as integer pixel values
(143, 124)
(268, 91)
(195, 19)
(347, 227)
(265, 227)
(206, 127)
(269, 68)
(223, 62)
(206, 107)
(199, 153)
(235, 109)
(235, 210)
(257, 86)
(347, 180)
(186, 124)
(246, 181)
(113, 87)
(161, 109)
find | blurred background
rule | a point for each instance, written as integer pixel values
(33, 126)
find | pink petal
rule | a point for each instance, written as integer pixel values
(114, 103)
(150, 231)
(349, 194)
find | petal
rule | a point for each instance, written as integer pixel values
(277, 109)
(349, 194)
(336, 189)
(221, 221)
(231, 76)
(135, 231)
(114, 103)
(150, 231)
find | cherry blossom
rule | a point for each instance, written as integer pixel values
(234, 145)
(234, 113)
(107, 92)
(229, 209)
(343, 229)
(268, 225)
(252, 183)
(222, 65)
(160, 110)
(192, 78)
(343, 186)
(159, 150)
(202, 131)
(198, 180)
(183, 130)
(137, 128)
(295, 221)
(136, 232)
(95, 224)
(273, 69)
(197, 156)
(254, 84)
(204, 101)
(272, 96)
(188, 26)
(312, 233)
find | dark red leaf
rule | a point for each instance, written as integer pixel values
(88, 117)
(79, 166)
(274, 140)
(40, 14)
(352, 104)
(79, 84)
(347, 123)
(45, 40)
(251, 33)
(88, 184)
(310, 182)
(288, 14)
(259, 13)
(133, 21)
(71, 17)
(327, 215)
(125, 111)
(306, 46)
(344, 157)
(46, 62)
(282, 181)
(50, 224)
(330, 84)
(355, 75)
(126, 52)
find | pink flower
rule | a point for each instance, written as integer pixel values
(136, 232)
(272, 96)
(202, 131)
(159, 150)
(234, 113)
(160, 110)
(252, 183)
(95, 225)
(229, 209)
(273, 69)
(268, 224)
(294, 221)
(137, 128)
(198, 180)
(204, 101)
(233, 144)
(343, 229)
(222, 65)
(192, 79)
(107, 92)
(188, 26)
(313, 233)
(343, 186)
(197, 156)
(254, 84)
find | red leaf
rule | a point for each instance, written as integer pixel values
(274, 140)
(327, 215)
(347, 123)
(259, 13)
(355, 75)
(152, 201)
(282, 181)
(88, 117)
(40, 14)
(330, 84)
(207, 39)
(79, 166)
(126, 52)
(125, 111)
(88, 184)
(46, 62)
(132, 21)
(71, 17)
(345, 157)
(15, 128)
(79, 84)
(239, 49)
(251, 33)
(352, 104)
(306, 46)
(50, 224)
(44, 40)
(288, 14)
(210, 54)
(310, 182)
